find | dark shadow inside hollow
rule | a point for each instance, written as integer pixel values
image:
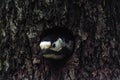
(57, 30)
(69, 40)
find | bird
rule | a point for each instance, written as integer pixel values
(57, 43)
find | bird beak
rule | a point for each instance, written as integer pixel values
(43, 52)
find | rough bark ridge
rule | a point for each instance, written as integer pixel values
(96, 24)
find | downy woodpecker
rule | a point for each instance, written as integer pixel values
(56, 43)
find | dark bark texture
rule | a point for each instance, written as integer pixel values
(95, 24)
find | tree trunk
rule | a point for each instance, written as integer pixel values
(95, 24)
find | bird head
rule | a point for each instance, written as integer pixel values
(51, 47)
(57, 44)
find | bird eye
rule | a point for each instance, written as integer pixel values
(53, 45)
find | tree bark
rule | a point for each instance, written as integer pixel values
(95, 24)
